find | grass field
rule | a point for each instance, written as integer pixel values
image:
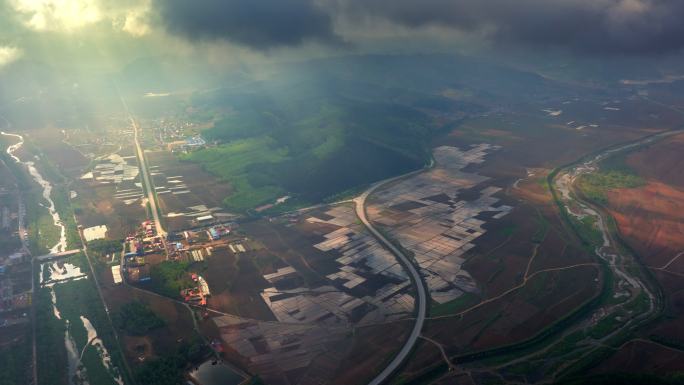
(233, 162)
(169, 278)
(452, 307)
(596, 185)
(308, 141)
(77, 299)
(43, 234)
(51, 357)
(15, 357)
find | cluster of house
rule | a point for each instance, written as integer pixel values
(198, 293)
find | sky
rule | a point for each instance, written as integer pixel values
(106, 34)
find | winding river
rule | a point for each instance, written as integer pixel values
(64, 272)
(617, 259)
(46, 186)
(69, 343)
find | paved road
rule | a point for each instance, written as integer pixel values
(421, 297)
(151, 196)
(142, 164)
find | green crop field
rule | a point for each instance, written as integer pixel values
(596, 185)
(311, 154)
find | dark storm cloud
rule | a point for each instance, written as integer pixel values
(615, 26)
(259, 24)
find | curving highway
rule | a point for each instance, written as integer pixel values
(421, 293)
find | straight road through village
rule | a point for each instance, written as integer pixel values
(142, 164)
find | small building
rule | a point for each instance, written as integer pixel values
(204, 218)
(139, 273)
(116, 274)
(95, 232)
(203, 286)
(174, 237)
(214, 234)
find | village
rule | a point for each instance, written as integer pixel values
(146, 248)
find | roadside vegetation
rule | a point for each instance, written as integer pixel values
(588, 230)
(60, 195)
(234, 161)
(15, 358)
(102, 247)
(137, 319)
(169, 278)
(595, 185)
(614, 173)
(79, 298)
(42, 232)
(452, 307)
(170, 368)
(51, 353)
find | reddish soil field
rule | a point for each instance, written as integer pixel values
(640, 356)
(662, 161)
(650, 218)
